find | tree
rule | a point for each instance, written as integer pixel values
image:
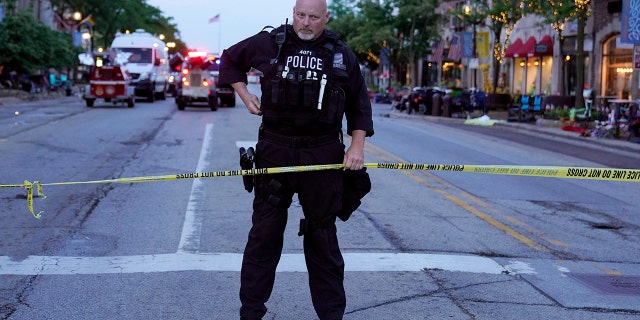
(503, 15)
(28, 45)
(417, 25)
(119, 16)
(557, 13)
(340, 8)
(498, 15)
(401, 28)
(345, 21)
(582, 12)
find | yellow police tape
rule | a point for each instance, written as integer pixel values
(608, 174)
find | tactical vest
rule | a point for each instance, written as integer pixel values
(305, 87)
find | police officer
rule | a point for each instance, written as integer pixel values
(310, 81)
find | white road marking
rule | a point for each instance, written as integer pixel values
(231, 262)
(192, 227)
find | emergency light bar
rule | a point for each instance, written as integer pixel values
(194, 54)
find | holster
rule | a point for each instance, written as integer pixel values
(247, 159)
(356, 185)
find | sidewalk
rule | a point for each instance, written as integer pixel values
(12, 97)
(544, 127)
(7, 100)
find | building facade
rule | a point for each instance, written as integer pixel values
(40, 9)
(534, 62)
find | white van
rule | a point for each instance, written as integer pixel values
(147, 63)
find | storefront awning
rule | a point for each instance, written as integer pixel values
(513, 48)
(533, 48)
(544, 47)
(527, 48)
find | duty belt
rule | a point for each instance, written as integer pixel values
(300, 141)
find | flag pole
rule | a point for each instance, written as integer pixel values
(216, 19)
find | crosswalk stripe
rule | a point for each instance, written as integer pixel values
(181, 261)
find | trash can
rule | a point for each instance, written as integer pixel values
(436, 105)
(446, 105)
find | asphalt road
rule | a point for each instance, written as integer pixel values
(424, 245)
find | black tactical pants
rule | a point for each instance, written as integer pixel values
(320, 195)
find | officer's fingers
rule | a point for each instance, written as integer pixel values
(352, 163)
(256, 104)
(357, 164)
(253, 107)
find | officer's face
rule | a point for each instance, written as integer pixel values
(309, 18)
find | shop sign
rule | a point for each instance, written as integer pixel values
(541, 48)
(473, 63)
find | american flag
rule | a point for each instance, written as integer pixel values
(437, 54)
(214, 19)
(455, 48)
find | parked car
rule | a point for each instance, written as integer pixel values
(172, 88)
(226, 94)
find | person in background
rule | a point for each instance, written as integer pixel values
(311, 80)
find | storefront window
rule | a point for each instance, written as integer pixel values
(546, 74)
(519, 71)
(429, 74)
(451, 74)
(617, 68)
(537, 71)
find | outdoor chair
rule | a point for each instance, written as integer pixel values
(515, 112)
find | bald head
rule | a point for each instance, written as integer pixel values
(309, 18)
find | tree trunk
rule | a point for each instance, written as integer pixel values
(580, 61)
(562, 79)
(496, 62)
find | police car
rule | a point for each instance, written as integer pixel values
(226, 94)
(197, 87)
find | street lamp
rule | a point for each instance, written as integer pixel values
(69, 20)
(87, 38)
(474, 18)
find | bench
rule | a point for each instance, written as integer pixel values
(559, 101)
(498, 101)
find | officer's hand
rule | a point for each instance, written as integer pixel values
(354, 158)
(250, 100)
(253, 105)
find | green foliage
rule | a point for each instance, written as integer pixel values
(557, 112)
(121, 15)
(8, 5)
(403, 29)
(28, 45)
(340, 8)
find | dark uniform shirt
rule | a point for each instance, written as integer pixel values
(258, 51)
